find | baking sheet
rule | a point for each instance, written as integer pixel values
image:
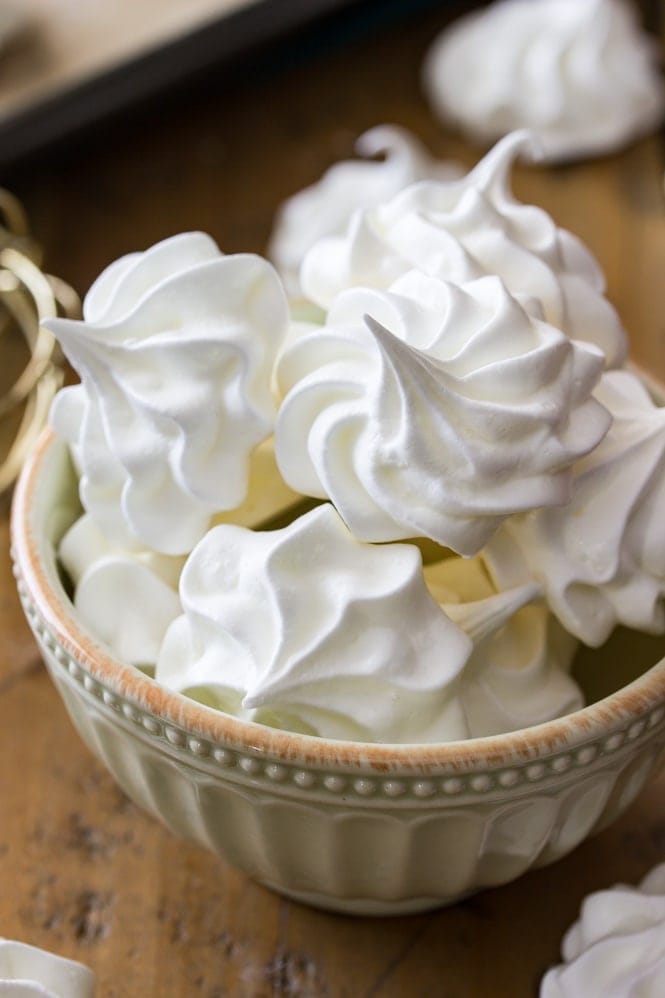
(74, 61)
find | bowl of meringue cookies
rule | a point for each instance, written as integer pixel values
(341, 569)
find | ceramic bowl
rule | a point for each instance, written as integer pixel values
(358, 828)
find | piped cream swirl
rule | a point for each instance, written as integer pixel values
(325, 207)
(465, 229)
(303, 628)
(600, 559)
(175, 355)
(445, 411)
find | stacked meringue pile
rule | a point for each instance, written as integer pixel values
(460, 400)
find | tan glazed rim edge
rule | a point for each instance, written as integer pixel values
(597, 719)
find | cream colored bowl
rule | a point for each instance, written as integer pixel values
(375, 829)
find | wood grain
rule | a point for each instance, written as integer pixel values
(82, 871)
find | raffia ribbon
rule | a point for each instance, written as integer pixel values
(27, 297)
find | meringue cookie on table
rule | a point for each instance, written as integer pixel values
(175, 354)
(617, 948)
(303, 628)
(324, 208)
(29, 972)
(464, 229)
(435, 410)
(600, 559)
(580, 73)
(518, 674)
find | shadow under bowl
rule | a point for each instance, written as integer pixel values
(350, 827)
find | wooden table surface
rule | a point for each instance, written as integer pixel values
(82, 871)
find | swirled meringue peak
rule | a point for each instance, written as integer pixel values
(464, 229)
(600, 559)
(325, 207)
(435, 410)
(617, 948)
(581, 73)
(518, 674)
(303, 628)
(175, 354)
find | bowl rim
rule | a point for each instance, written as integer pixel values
(597, 720)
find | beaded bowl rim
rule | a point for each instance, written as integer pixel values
(619, 709)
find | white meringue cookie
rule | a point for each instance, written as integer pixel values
(175, 355)
(324, 208)
(128, 606)
(617, 948)
(518, 673)
(580, 73)
(126, 598)
(304, 628)
(29, 972)
(465, 229)
(448, 410)
(84, 544)
(601, 558)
